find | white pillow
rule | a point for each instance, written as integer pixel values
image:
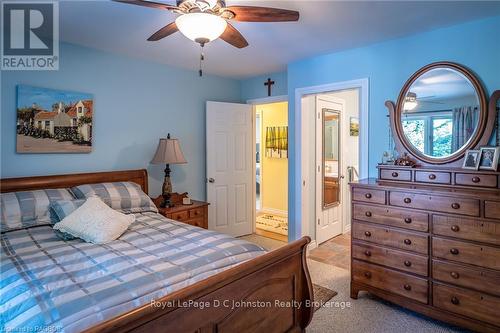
(95, 222)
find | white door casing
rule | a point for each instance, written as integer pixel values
(229, 168)
(328, 220)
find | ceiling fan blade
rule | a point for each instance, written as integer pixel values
(234, 37)
(164, 32)
(150, 4)
(263, 14)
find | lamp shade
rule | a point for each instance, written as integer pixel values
(169, 152)
(201, 26)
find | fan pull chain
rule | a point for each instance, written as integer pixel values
(202, 58)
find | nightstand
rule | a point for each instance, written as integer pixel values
(195, 214)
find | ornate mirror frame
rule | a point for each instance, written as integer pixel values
(481, 136)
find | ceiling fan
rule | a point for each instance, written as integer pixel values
(206, 20)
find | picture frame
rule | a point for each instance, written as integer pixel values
(472, 159)
(53, 121)
(489, 158)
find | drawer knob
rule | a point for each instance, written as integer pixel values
(455, 275)
(368, 195)
(455, 300)
(455, 205)
(407, 263)
(368, 214)
(407, 241)
(476, 179)
(454, 251)
(432, 176)
(368, 234)
(455, 228)
(407, 287)
(368, 253)
(368, 275)
(407, 200)
(395, 174)
(408, 220)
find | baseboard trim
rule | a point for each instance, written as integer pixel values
(347, 228)
(266, 210)
(311, 246)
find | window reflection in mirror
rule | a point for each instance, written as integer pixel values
(331, 161)
(440, 112)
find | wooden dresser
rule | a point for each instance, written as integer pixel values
(429, 239)
(195, 214)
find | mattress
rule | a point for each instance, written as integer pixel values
(67, 286)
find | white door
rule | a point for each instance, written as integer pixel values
(329, 219)
(230, 168)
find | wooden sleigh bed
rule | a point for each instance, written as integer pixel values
(280, 278)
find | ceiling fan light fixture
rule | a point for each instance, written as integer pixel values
(201, 26)
(410, 101)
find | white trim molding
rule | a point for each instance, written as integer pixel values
(273, 211)
(268, 100)
(363, 86)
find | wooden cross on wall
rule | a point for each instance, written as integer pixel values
(269, 85)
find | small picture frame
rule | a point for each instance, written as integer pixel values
(472, 159)
(489, 158)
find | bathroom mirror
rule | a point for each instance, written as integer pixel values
(441, 112)
(331, 143)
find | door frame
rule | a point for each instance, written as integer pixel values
(254, 103)
(303, 224)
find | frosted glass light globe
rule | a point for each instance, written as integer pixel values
(201, 26)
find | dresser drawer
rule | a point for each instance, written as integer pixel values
(468, 303)
(394, 174)
(401, 260)
(368, 195)
(492, 209)
(466, 228)
(389, 280)
(396, 217)
(433, 177)
(197, 212)
(391, 237)
(470, 179)
(476, 278)
(433, 202)
(198, 222)
(479, 255)
(179, 216)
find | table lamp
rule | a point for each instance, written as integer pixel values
(168, 152)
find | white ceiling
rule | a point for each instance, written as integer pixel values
(324, 26)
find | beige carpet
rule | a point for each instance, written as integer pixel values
(366, 314)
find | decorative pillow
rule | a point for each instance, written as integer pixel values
(59, 210)
(95, 222)
(28, 208)
(62, 208)
(126, 197)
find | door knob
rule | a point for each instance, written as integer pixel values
(211, 180)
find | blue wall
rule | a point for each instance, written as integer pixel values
(136, 102)
(387, 66)
(254, 87)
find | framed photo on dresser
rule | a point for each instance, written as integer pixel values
(472, 159)
(489, 158)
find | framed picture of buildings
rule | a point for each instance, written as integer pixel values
(53, 121)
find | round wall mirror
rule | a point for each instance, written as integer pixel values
(441, 112)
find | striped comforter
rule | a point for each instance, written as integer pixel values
(50, 285)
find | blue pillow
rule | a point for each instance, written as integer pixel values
(59, 210)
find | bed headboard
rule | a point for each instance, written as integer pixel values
(68, 180)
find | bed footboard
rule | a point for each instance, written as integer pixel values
(271, 293)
